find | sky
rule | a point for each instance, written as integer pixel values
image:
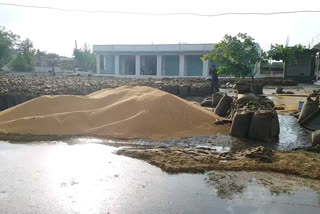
(56, 31)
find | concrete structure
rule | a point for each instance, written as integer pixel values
(315, 47)
(145, 61)
(303, 70)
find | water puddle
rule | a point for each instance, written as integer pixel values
(56, 177)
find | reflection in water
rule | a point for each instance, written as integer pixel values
(90, 178)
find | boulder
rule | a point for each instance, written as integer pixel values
(245, 98)
(279, 90)
(308, 108)
(242, 88)
(223, 106)
(316, 138)
(264, 125)
(216, 97)
(257, 88)
(241, 123)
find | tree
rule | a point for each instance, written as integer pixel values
(39, 54)
(287, 54)
(53, 59)
(24, 59)
(8, 42)
(238, 55)
(84, 58)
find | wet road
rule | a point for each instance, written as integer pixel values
(86, 177)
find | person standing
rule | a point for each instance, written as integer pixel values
(214, 79)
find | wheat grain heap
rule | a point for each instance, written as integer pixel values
(125, 112)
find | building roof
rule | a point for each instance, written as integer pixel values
(153, 48)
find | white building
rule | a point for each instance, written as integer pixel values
(145, 61)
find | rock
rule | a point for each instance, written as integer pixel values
(241, 123)
(264, 125)
(242, 88)
(216, 97)
(308, 108)
(245, 98)
(223, 106)
(316, 138)
(257, 88)
(279, 90)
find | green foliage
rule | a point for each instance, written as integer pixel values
(284, 53)
(7, 44)
(24, 60)
(84, 58)
(238, 56)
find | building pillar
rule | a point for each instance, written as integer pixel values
(98, 63)
(159, 64)
(137, 65)
(105, 64)
(116, 65)
(205, 67)
(181, 65)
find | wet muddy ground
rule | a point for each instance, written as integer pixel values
(292, 136)
(84, 176)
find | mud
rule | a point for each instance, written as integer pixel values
(199, 160)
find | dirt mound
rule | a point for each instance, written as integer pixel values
(125, 112)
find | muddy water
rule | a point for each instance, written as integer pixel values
(292, 136)
(81, 176)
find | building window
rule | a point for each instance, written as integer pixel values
(127, 65)
(170, 66)
(148, 65)
(109, 67)
(193, 65)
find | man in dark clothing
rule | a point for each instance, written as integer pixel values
(214, 77)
